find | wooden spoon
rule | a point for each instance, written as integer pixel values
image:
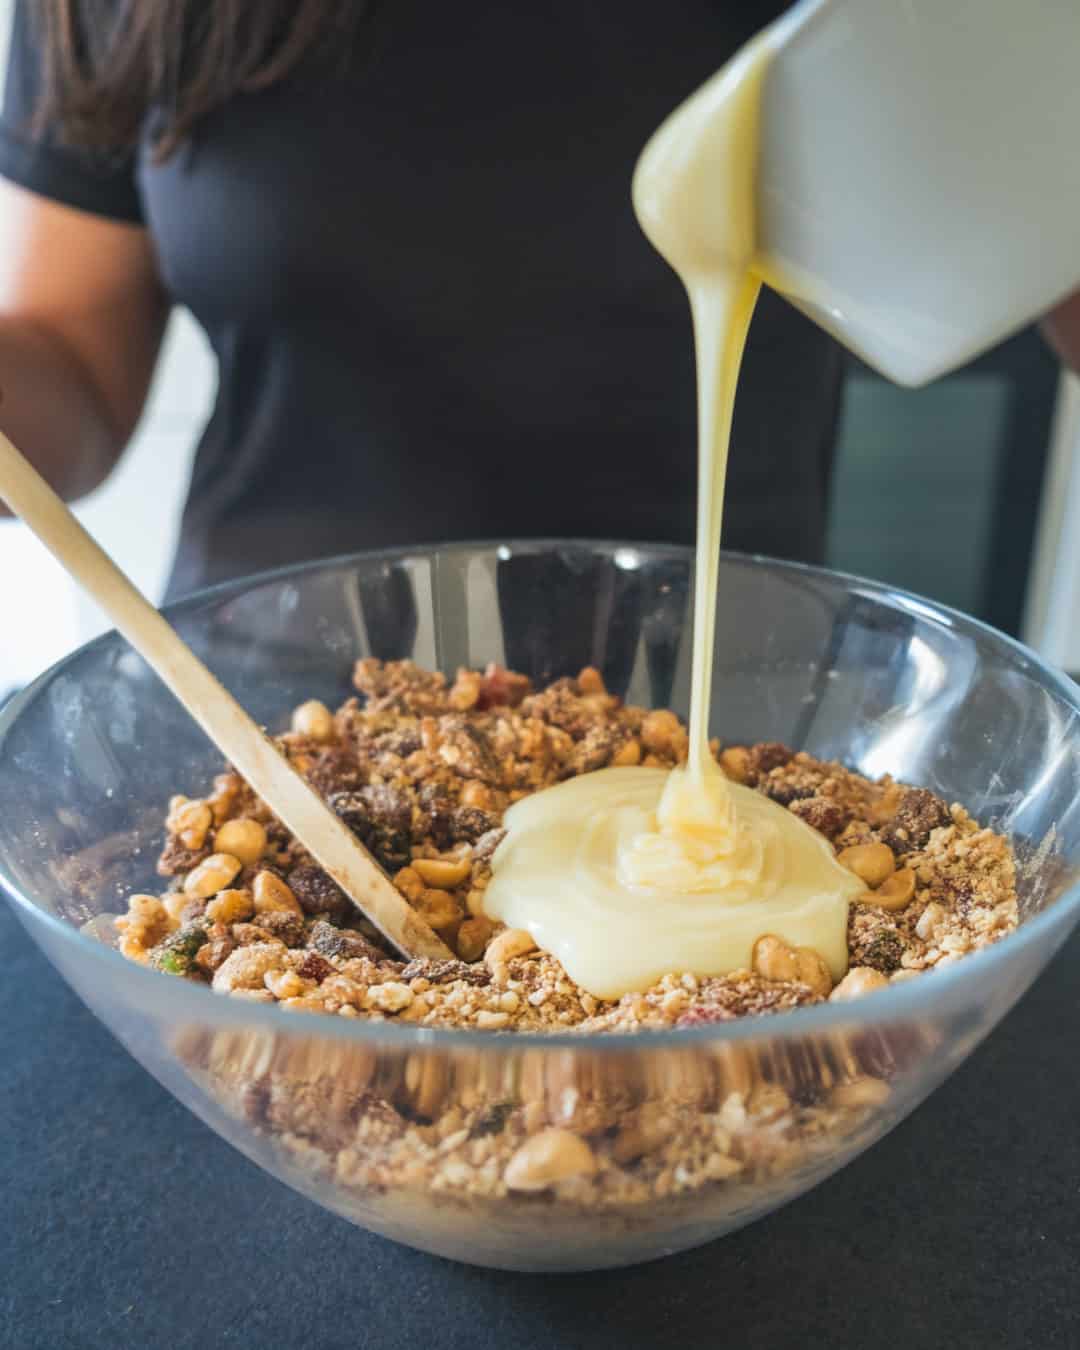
(238, 738)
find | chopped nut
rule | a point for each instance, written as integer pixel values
(230, 907)
(859, 1092)
(189, 821)
(812, 971)
(871, 863)
(477, 795)
(390, 997)
(212, 875)
(445, 873)
(438, 909)
(675, 1002)
(246, 968)
(473, 936)
(409, 882)
(644, 1135)
(426, 1082)
(465, 692)
(175, 903)
(502, 949)
(662, 732)
(720, 1167)
(271, 895)
(775, 960)
(313, 719)
(548, 1157)
(146, 922)
(895, 892)
(858, 981)
(252, 934)
(735, 762)
(223, 798)
(244, 839)
(285, 984)
(474, 902)
(768, 1101)
(466, 748)
(628, 754)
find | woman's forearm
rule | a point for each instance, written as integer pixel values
(51, 409)
(82, 312)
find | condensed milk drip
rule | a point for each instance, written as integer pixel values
(621, 897)
(626, 874)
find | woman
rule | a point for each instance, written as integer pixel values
(407, 232)
(406, 229)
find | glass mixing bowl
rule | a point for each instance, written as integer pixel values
(366, 1118)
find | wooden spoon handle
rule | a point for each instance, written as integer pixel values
(238, 738)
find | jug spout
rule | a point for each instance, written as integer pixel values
(918, 187)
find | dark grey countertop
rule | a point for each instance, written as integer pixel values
(127, 1223)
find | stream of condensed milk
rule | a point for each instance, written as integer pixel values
(626, 874)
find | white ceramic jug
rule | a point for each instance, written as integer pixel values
(919, 175)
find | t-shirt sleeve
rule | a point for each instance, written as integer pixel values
(35, 159)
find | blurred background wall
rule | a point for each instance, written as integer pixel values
(968, 492)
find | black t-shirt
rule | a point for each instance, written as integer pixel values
(434, 314)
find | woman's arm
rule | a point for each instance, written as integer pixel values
(82, 312)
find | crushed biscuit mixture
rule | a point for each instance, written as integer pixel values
(422, 771)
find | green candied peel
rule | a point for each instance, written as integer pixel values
(176, 955)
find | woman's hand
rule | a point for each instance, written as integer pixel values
(1062, 329)
(82, 312)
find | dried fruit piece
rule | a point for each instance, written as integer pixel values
(318, 893)
(822, 814)
(919, 813)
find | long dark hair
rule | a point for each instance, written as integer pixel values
(107, 62)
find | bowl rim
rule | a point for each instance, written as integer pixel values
(188, 1002)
